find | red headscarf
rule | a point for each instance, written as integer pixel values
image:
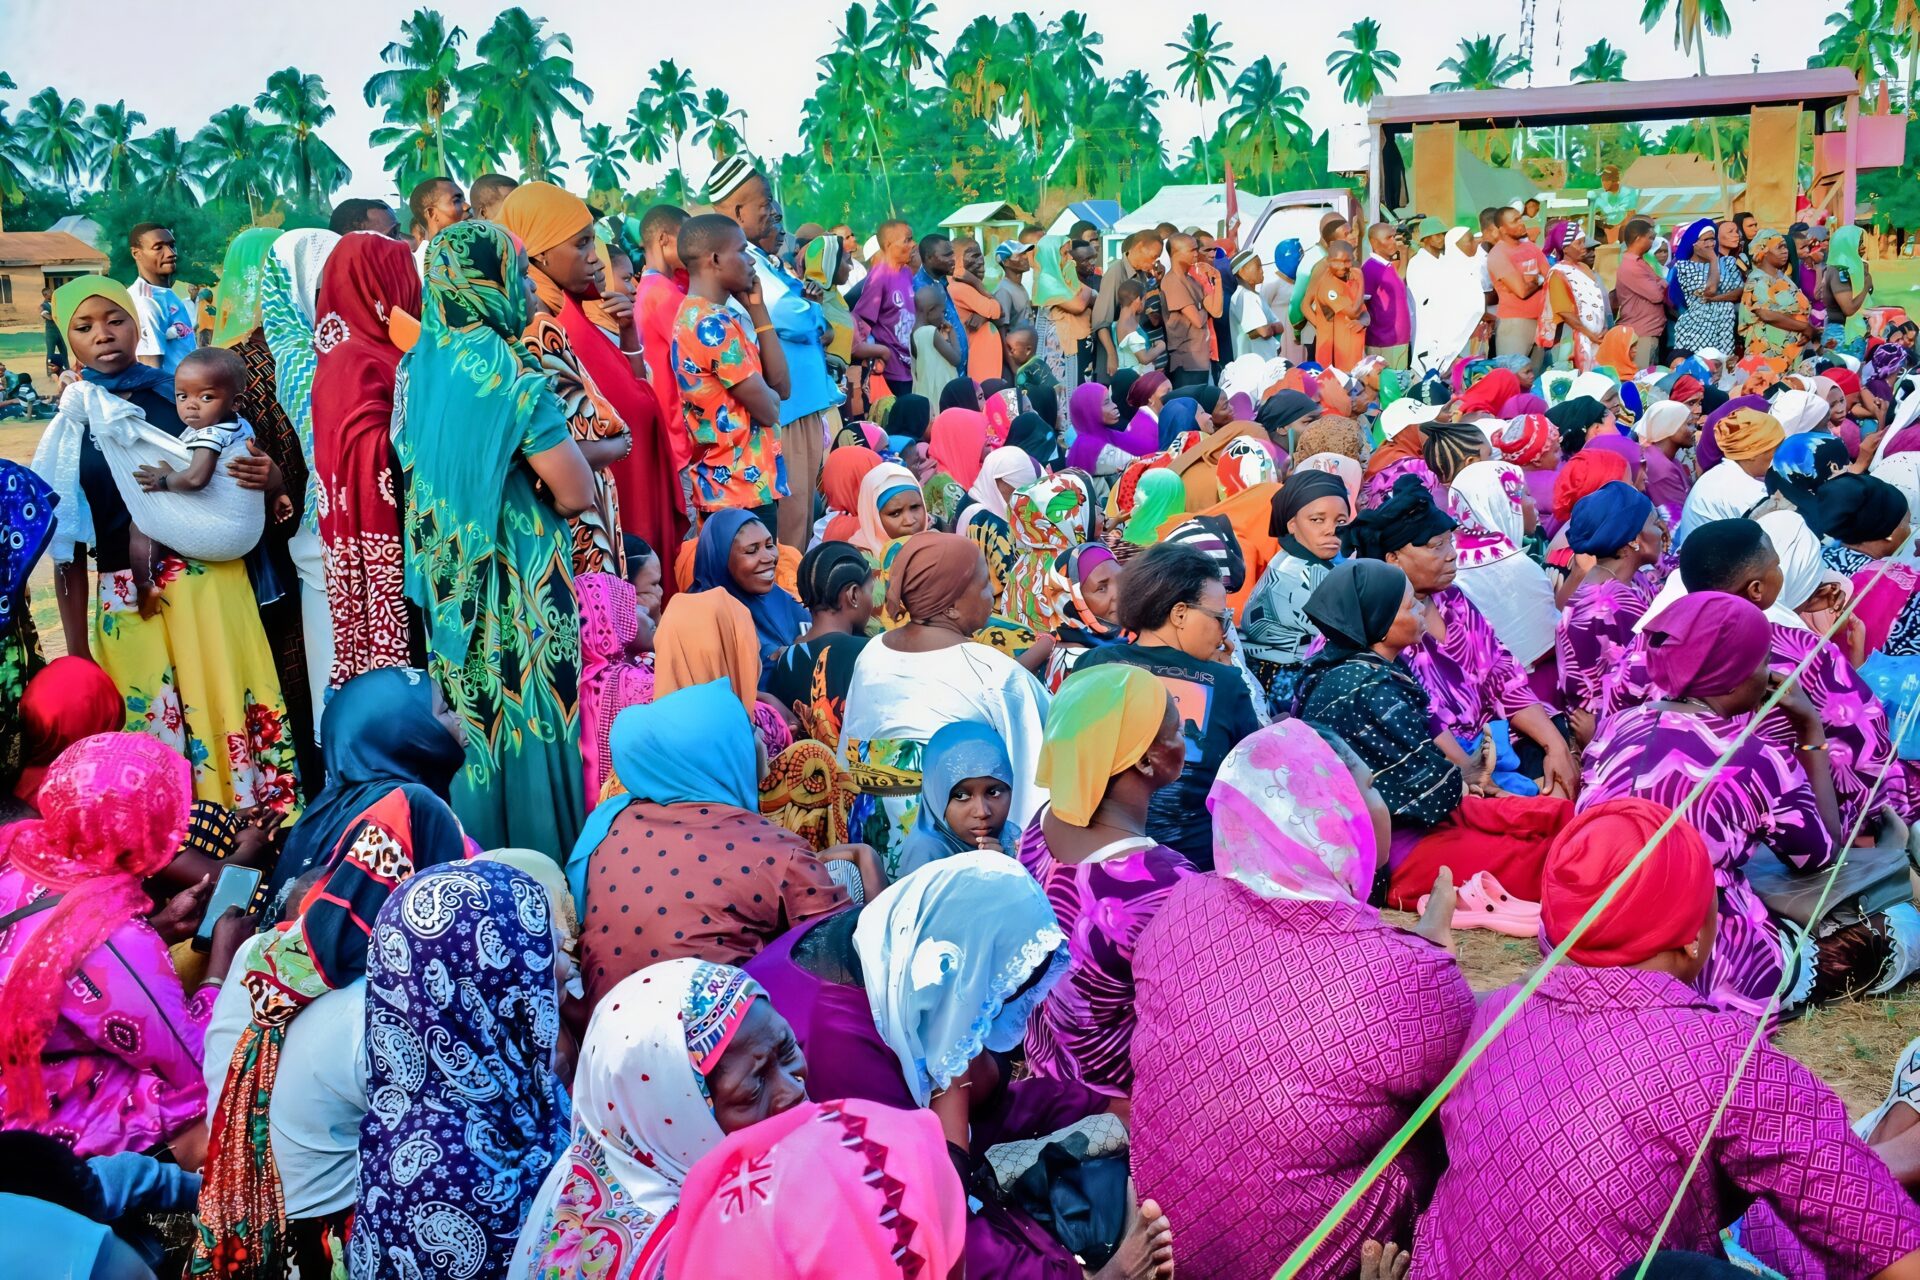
(1580, 475)
(840, 479)
(957, 441)
(368, 282)
(1661, 907)
(1846, 379)
(1687, 389)
(1492, 391)
(116, 808)
(1524, 438)
(68, 699)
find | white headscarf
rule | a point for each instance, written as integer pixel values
(1447, 305)
(1725, 492)
(303, 253)
(1246, 375)
(641, 1116)
(1668, 418)
(1504, 585)
(1800, 565)
(1015, 466)
(943, 950)
(1798, 411)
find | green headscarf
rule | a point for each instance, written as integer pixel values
(1049, 280)
(68, 297)
(473, 397)
(1159, 497)
(820, 263)
(236, 303)
(1843, 254)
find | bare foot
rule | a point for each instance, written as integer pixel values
(1146, 1251)
(1436, 922)
(1383, 1262)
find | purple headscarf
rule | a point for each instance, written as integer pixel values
(1557, 236)
(1521, 405)
(1091, 435)
(1707, 451)
(1619, 444)
(1705, 644)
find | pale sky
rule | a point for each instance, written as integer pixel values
(217, 52)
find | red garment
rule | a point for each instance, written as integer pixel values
(646, 479)
(958, 443)
(68, 699)
(1582, 474)
(1508, 836)
(1660, 908)
(368, 281)
(1491, 392)
(656, 301)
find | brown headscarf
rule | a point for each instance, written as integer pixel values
(706, 636)
(1198, 467)
(930, 573)
(1332, 435)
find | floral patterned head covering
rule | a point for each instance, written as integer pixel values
(236, 302)
(1053, 513)
(1289, 822)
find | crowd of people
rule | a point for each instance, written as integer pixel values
(771, 754)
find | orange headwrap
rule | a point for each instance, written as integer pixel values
(1616, 352)
(1662, 905)
(543, 215)
(706, 636)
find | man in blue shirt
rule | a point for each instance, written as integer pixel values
(936, 265)
(166, 319)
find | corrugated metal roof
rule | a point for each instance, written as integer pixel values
(1676, 99)
(47, 248)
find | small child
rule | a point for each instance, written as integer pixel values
(1126, 338)
(936, 356)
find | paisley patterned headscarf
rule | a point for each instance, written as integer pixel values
(466, 1114)
(1047, 517)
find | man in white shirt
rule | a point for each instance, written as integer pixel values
(166, 319)
(1256, 330)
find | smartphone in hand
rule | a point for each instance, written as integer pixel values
(234, 888)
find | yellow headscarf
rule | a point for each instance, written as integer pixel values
(68, 297)
(544, 215)
(1748, 433)
(1102, 722)
(820, 264)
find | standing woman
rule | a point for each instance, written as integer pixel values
(193, 665)
(1844, 287)
(369, 281)
(1576, 300)
(489, 561)
(1773, 312)
(1704, 289)
(556, 230)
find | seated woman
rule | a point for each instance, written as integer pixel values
(1050, 516)
(1299, 832)
(739, 555)
(102, 1047)
(706, 636)
(1101, 446)
(1619, 1066)
(616, 666)
(68, 699)
(1308, 514)
(1865, 520)
(467, 1112)
(928, 672)
(911, 1000)
(1113, 739)
(1621, 530)
(1175, 603)
(679, 1058)
(890, 507)
(1496, 513)
(1471, 679)
(811, 676)
(1708, 655)
(966, 792)
(840, 476)
(1746, 439)
(1084, 583)
(689, 819)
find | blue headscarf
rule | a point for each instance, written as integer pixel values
(956, 752)
(466, 1114)
(777, 616)
(1683, 252)
(26, 527)
(1177, 416)
(1803, 463)
(693, 746)
(1286, 258)
(1608, 519)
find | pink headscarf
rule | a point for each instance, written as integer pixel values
(1288, 821)
(827, 1191)
(610, 681)
(957, 441)
(116, 808)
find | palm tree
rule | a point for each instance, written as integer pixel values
(523, 81)
(296, 103)
(671, 89)
(1693, 21)
(162, 161)
(1203, 65)
(415, 152)
(475, 144)
(54, 133)
(646, 136)
(1862, 42)
(1264, 122)
(419, 88)
(1482, 63)
(1603, 63)
(603, 159)
(714, 124)
(1363, 68)
(905, 36)
(14, 159)
(1028, 76)
(1906, 25)
(112, 127)
(855, 74)
(973, 69)
(231, 154)
(1076, 49)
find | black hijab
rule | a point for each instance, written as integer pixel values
(959, 394)
(1407, 518)
(1302, 488)
(909, 417)
(1854, 509)
(1355, 605)
(1284, 408)
(1573, 419)
(1032, 436)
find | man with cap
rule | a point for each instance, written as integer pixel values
(1016, 306)
(1256, 330)
(810, 412)
(1389, 310)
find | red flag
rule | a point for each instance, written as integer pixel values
(1230, 233)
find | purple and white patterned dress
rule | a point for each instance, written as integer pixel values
(1760, 796)
(1593, 635)
(1567, 1139)
(1084, 1029)
(1469, 676)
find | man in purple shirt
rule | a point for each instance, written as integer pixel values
(1389, 308)
(886, 302)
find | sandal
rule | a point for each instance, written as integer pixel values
(1485, 904)
(1904, 1089)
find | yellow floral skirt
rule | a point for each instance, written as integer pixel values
(199, 677)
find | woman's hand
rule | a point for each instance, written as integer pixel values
(230, 933)
(176, 921)
(1799, 711)
(1558, 775)
(256, 470)
(873, 878)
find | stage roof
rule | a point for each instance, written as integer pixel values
(1610, 103)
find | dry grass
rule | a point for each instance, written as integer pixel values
(1851, 1046)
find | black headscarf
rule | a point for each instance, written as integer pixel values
(1032, 436)
(1573, 419)
(1044, 400)
(1302, 488)
(1854, 509)
(1355, 605)
(958, 394)
(1122, 384)
(1407, 518)
(909, 418)
(1717, 549)
(1450, 446)
(1284, 408)
(1205, 392)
